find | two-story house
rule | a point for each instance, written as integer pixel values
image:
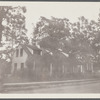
(20, 56)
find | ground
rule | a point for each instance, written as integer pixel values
(76, 88)
(87, 88)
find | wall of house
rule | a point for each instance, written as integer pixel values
(19, 59)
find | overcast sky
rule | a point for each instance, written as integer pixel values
(70, 10)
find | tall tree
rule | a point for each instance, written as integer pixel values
(50, 34)
(3, 12)
(59, 35)
(13, 29)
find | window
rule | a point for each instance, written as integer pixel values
(63, 69)
(22, 66)
(34, 66)
(41, 53)
(17, 52)
(15, 66)
(37, 52)
(50, 69)
(21, 52)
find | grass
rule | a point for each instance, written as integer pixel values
(78, 76)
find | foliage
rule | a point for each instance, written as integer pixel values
(12, 30)
(78, 42)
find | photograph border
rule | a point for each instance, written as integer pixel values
(49, 96)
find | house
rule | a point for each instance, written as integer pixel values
(20, 56)
(43, 64)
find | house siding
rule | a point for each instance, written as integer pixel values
(19, 59)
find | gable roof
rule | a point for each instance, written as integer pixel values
(33, 47)
(27, 46)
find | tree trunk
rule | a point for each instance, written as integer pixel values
(1, 31)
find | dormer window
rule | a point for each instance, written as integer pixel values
(21, 52)
(37, 52)
(17, 52)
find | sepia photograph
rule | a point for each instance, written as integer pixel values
(49, 47)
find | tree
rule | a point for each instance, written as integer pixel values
(5, 69)
(51, 35)
(13, 29)
(84, 35)
(59, 36)
(3, 11)
(12, 32)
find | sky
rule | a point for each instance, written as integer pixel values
(70, 10)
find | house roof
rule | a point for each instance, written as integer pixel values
(27, 46)
(33, 47)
